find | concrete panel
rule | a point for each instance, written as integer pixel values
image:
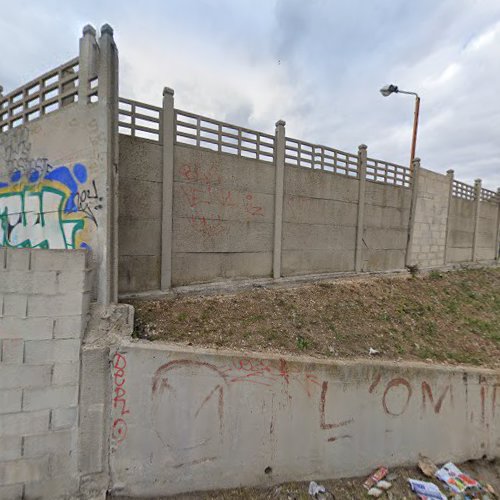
(139, 236)
(200, 419)
(206, 267)
(383, 260)
(139, 159)
(318, 237)
(140, 199)
(206, 168)
(297, 262)
(456, 254)
(385, 195)
(301, 209)
(221, 236)
(139, 273)
(385, 239)
(319, 184)
(461, 230)
(220, 203)
(386, 217)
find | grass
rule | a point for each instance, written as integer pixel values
(451, 317)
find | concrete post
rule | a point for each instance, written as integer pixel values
(450, 173)
(168, 139)
(411, 222)
(1, 91)
(108, 125)
(87, 62)
(477, 205)
(497, 247)
(279, 162)
(360, 226)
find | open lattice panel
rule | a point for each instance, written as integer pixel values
(139, 119)
(223, 137)
(487, 195)
(462, 190)
(387, 173)
(314, 156)
(41, 96)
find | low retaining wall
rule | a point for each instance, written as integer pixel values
(195, 419)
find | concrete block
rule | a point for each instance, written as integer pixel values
(66, 373)
(63, 418)
(74, 281)
(58, 260)
(55, 442)
(27, 282)
(10, 448)
(92, 437)
(12, 351)
(10, 400)
(12, 492)
(23, 470)
(69, 304)
(318, 237)
(26, 328)
(300, 209)
(18, 259)
(50, 397)
(68, 327)
(51, 351)
(17, 424)
(14, 376)
(15, 305)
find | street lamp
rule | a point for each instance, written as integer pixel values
(387, 90)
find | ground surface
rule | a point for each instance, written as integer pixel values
(352, 489)
(451, 317)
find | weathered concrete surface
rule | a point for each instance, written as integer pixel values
(319, 222)
(487, 230)
(140, 198)
(223, 216)
(431, 214)
(387, 212)
(196, 419)
(44, 298)
(461, 230)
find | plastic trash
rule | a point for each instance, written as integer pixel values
(455, 479)
(375, 492)
(373, 351)
(426, 490)
(384, 485)
(375, 477)
(315, 489)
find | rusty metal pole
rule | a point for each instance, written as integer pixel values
(415, 128)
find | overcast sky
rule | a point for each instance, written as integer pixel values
(318, 64)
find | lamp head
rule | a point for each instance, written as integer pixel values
(388, 90)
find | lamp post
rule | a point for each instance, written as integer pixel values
(387, 90)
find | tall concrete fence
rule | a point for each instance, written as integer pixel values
(200, 200)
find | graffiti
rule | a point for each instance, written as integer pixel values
(426, 389)
(189, 409)
(47, 207)
(119, 429)
(209, 201)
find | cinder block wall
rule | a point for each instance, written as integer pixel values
(44, 298)
(431, 214)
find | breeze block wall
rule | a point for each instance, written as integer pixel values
(44, 299)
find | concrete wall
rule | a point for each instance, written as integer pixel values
(44, 297)
(195, 419)
(140, 203)
(431, 214)
(385, 234)
(223, 209)
(319, 222)
(460, 230)
(487, 231)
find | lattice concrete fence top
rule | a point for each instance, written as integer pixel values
(61, 137)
